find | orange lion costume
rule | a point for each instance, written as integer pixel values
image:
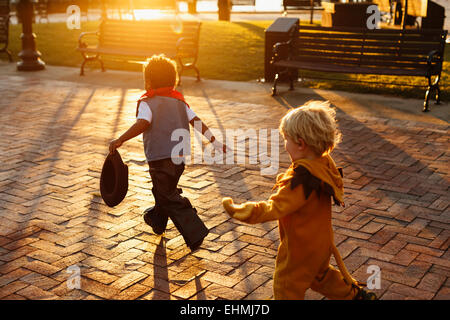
(302, 206)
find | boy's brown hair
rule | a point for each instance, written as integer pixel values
(160, 72)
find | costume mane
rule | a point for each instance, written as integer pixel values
(304, 177)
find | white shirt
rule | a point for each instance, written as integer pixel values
(145, 113)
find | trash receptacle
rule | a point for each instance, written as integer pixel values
(435, 16)
(280, 30)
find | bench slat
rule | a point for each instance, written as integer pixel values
(416, 59)
(128, 52)
(373, 36)
(393, 50)
(150, 22)
(148, 36)
(137, 41)
(363, 30)
(359, 62)
(353, 69)
(425, 47)
(147, 53)
(126, 43)
(139, 38)
(139, 27)
(149, 30)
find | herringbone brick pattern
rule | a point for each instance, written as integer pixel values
(54, 137)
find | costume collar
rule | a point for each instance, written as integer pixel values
(319, 174)
(164, 92)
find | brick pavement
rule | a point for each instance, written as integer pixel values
(54, 136)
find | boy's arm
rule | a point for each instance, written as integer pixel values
(285, 201)
(136, 129)
(206, 132)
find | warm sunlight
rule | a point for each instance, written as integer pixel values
(211, 6)
(150, 14)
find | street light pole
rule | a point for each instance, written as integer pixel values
(30, 56)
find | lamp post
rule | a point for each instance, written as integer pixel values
(30, 56)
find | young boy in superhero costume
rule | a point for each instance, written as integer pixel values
(302, 206)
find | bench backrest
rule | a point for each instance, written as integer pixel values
(370, 48)
(150, 35)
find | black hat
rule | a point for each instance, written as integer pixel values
(114, 180)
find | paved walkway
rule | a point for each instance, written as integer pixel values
(54, 134)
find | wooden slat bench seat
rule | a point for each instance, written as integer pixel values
(4, 28)
(418, 53)
(176, 39)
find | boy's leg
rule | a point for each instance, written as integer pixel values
(332, 285)
(177, 207)
(164, 180)
(184, 216)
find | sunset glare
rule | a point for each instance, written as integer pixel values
(207, 6)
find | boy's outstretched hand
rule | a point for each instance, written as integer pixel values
(113, 145)
(228, 205)
(140, 126)
(238, 211)
(220, 146)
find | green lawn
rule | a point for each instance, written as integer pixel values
(228, 51)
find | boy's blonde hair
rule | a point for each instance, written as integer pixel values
(160, 72)
(315, 123)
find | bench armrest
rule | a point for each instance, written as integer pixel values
(280, 51)
(81, 43)
(432, 55)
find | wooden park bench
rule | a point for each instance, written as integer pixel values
(176, 39)
(4, 28)
(415, 53)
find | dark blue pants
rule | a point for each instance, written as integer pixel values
(169, 203)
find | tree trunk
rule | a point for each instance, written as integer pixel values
(224, 9)
(192, 6)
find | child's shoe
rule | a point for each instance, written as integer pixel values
(148, 214)
(363, 294)
(195, 246)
